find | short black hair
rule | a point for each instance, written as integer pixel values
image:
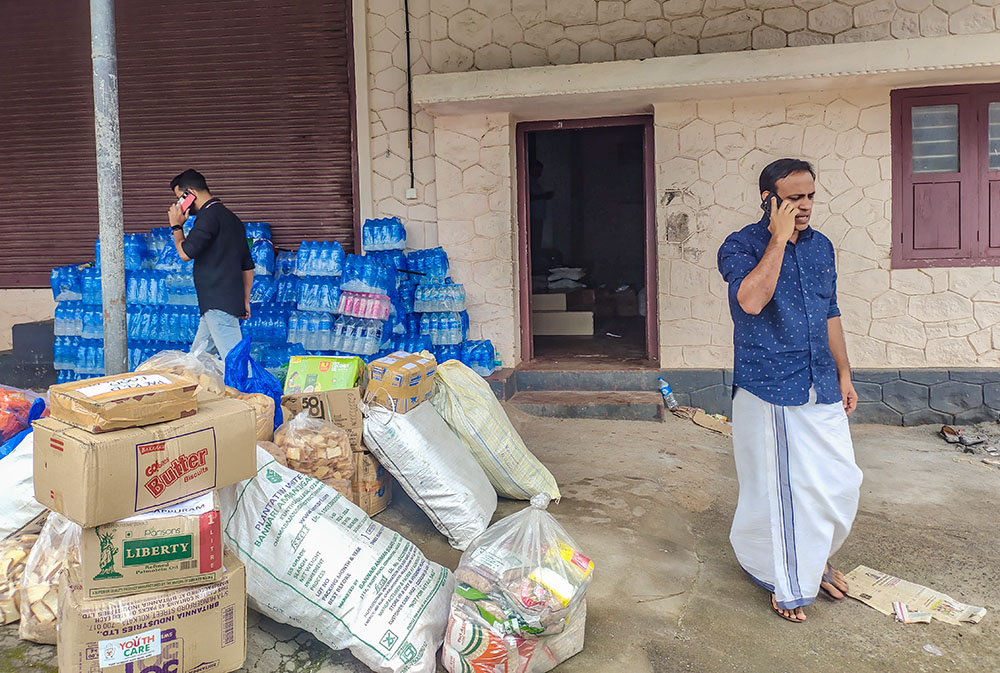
(781, 169)
(190, 179)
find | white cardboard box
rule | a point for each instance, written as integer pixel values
(548, 302)
(562, 323)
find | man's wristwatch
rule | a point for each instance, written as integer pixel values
(176, 227)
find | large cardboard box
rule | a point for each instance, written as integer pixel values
(371, 486)
(173, 547)
(190, 630)
(123, 401)
(401, 380)
(548, 302)
(565, 323)
(340, 407)
(314, 373)
(96, 479)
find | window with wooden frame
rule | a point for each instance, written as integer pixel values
(946, 176)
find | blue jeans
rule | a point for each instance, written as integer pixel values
(218, 332)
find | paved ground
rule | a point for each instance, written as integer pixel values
(651, 503)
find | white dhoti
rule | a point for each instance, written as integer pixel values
(799, 488)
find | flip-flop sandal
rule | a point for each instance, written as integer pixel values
(771, 604)
(965, 440)
(828, 578)
(950, 434)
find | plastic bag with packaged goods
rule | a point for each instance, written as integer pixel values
(319, 449)
(524, 582)
(15, 411)
(56, 548)
(198, 366)
(14, 553)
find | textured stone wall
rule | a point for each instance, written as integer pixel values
(496, 34)
(709, 155)
(388, 119)
(474, 163)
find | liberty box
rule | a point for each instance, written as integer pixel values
(176, 546)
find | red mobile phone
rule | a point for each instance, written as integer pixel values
(185, 201)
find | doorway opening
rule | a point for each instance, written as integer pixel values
(587, 242)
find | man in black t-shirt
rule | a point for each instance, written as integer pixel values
(223, 268)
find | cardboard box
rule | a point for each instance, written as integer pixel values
(626, 303)
(548, 302)
(581, 300)
(371, 486)
(190, 630)
(340, 407)
(566, 323)
(313, 373)
(177, 546)
(401, 380)
(96, 479)
(123, 401)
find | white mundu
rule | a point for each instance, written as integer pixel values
(799, 489)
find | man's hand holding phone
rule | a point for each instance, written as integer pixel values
(178, 212)
(783, 214)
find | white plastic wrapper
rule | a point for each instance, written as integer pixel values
(316, 561)
(434, 467)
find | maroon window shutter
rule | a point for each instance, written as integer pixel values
(988, 108)
(935, 203)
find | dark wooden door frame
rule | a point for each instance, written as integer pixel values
(523, 220)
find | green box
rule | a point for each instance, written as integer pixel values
(316, 373)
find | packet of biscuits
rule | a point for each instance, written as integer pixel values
(317, 448)
(14, 552)
(56, 548)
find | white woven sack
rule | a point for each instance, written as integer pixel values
(18, 507)
(468, 405)
(317, 562)
(434, 468)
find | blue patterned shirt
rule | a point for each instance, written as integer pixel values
(784, 350)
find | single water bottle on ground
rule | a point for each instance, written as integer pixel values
(668, 395)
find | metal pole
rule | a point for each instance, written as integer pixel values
(109, 183)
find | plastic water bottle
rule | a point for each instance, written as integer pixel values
(668, 395)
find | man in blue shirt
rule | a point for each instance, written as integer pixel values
(799, 483)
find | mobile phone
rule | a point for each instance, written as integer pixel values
(765, 205)
(185, 201)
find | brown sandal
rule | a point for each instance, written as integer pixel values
(778, 611)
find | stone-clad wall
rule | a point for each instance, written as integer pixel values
(496, 34)
(709, 155)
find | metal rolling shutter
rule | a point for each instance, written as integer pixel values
(255, 95)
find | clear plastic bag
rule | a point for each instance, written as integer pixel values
(15, 407)
(520, 601)
(55, 549)
(318, 449)
(198, 366)
(263, 407)
(14, 553)
(524, 575)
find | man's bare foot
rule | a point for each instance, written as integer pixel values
(834, 583)
(796, 615)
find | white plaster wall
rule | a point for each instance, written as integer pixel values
(19, 306)
(709, 155)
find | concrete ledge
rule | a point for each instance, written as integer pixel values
(888, 396)
(629, 87)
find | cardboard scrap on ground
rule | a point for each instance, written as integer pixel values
(700, 418)
(880, 590)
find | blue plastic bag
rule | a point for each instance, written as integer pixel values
(249, 376)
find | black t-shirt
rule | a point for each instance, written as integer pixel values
(218, 245)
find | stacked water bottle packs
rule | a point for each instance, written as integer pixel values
(315, 300)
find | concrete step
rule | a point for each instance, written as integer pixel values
(605, 405)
